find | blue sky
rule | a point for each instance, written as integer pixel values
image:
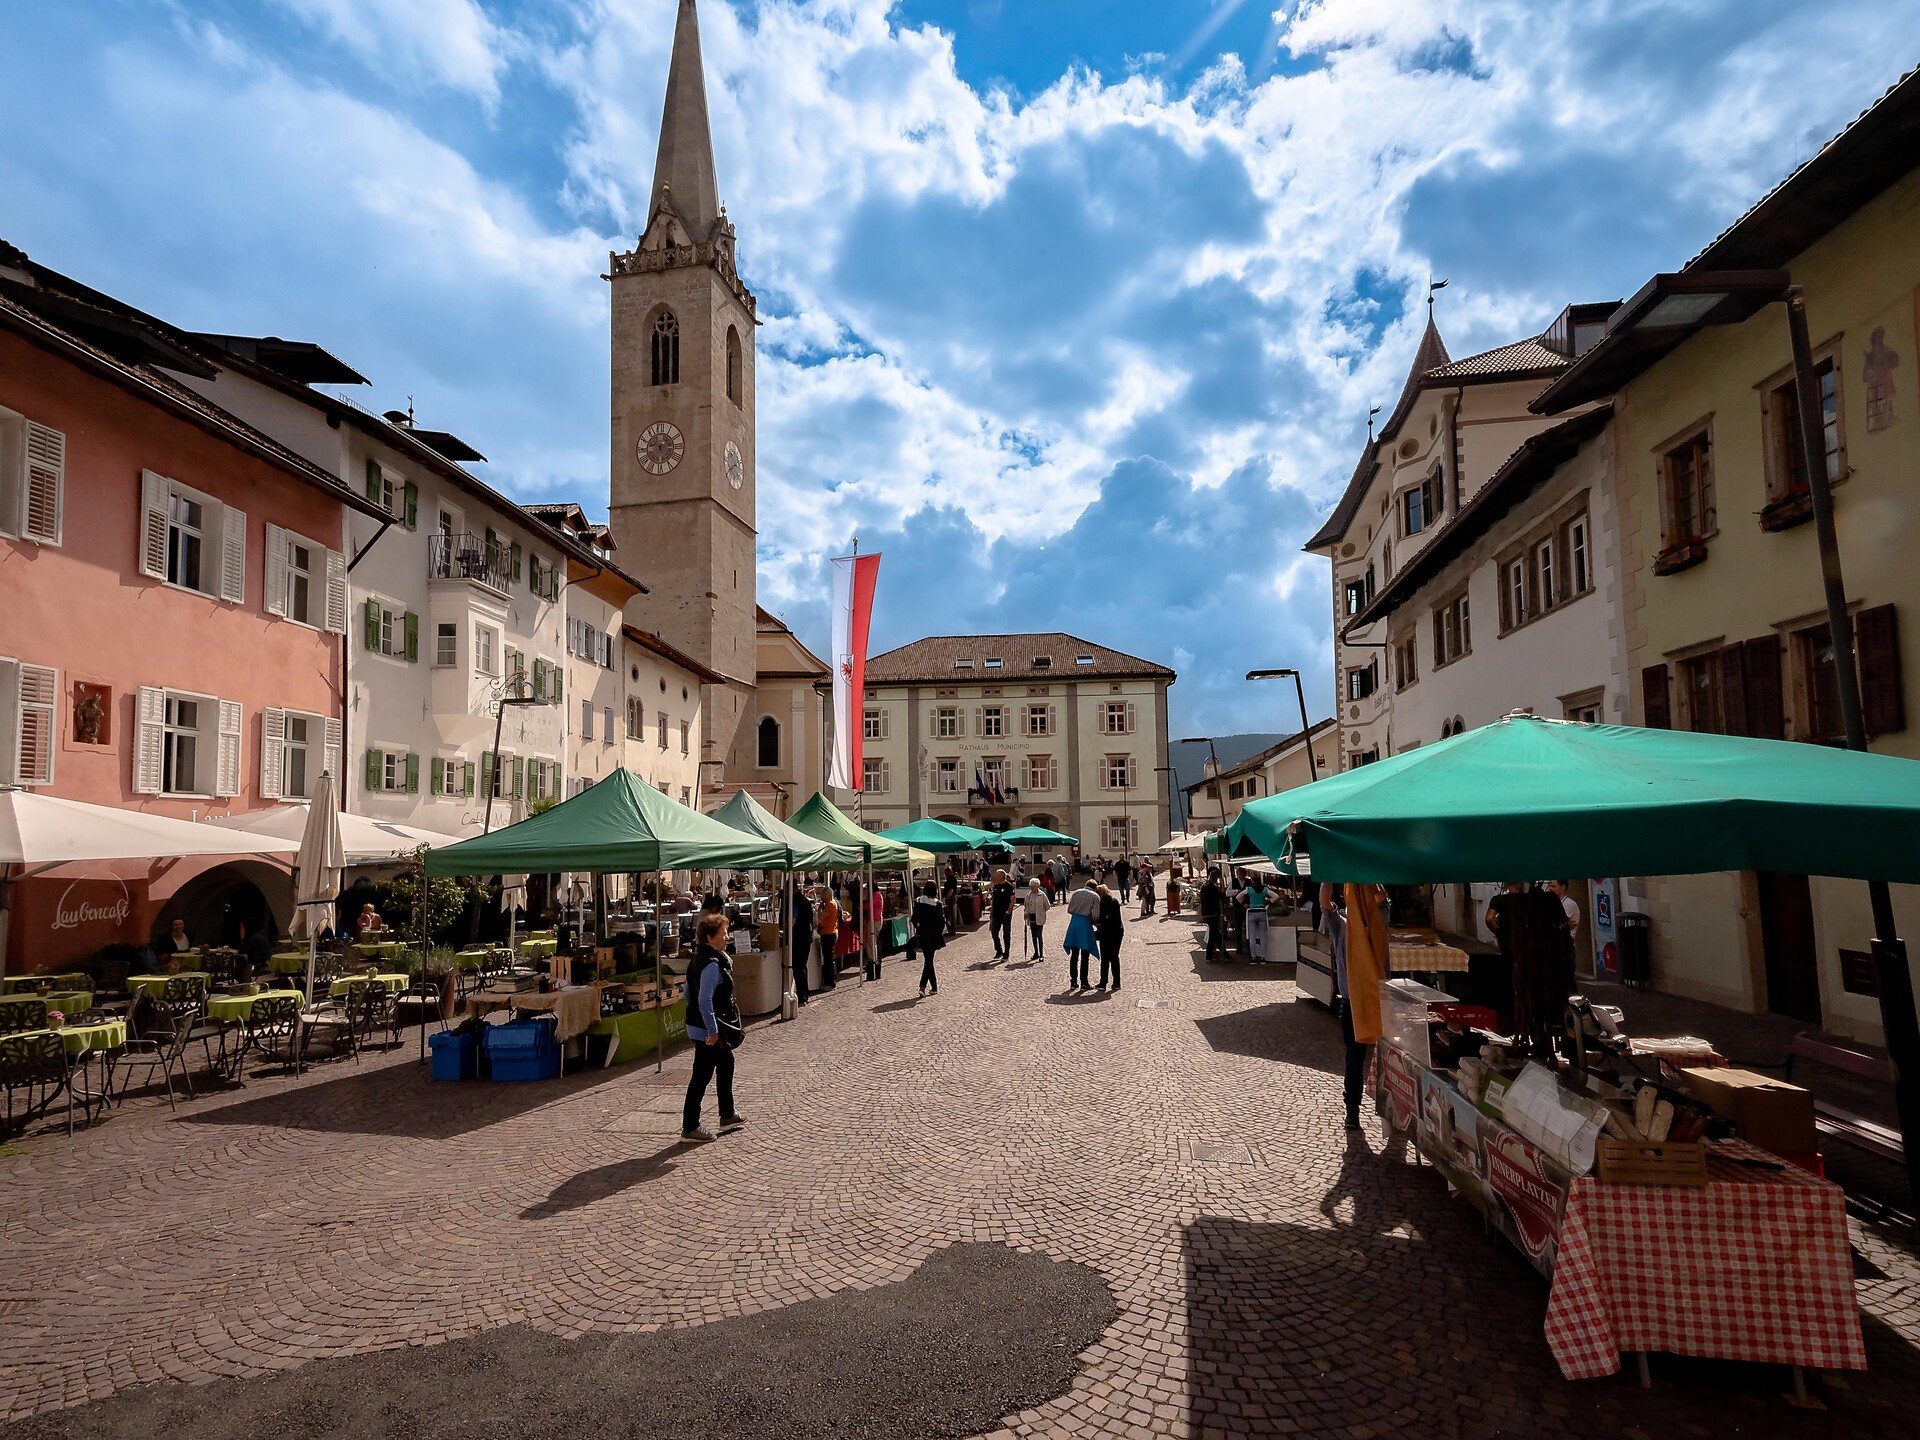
(1074, 308)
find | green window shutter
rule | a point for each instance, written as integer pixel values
(533, 573)
(553, 583)
(374, 486)
(413, 637)
(492, 539)
(519, 776)
(466, 779)
(559, 685)
(373, 624)
(514, 554)
(436, 781)
(539, 679)
(486, 772)
(412, 506)
(373, 770)
(413, 774)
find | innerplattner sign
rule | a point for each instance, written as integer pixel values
(92, 902)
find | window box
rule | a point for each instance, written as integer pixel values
(1683, 555)
(1795, 508)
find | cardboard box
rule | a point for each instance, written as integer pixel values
(1767, 1112)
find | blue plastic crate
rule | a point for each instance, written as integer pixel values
(541, 1064)
(456, 1055)
(536, 1032)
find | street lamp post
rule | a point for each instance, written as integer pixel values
(499, 717)
(1299, 692)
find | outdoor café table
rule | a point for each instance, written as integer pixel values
(1752, 1266)
(394, 983)
(240, 1007)
(71, 980)
(138, 985)
(67, 1002)
(1422, 953)
(79, 1039)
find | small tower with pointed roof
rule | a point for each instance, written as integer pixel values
(682, 474)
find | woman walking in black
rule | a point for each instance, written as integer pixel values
(712, 1021)
(929, 930)
(1109, 927)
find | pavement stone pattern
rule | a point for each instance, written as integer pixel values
(1270, 1276)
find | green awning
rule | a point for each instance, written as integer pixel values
(1035, 835)
(620, 826)
(1532, 799)
(942, 837)
(750, 817)
(823, 820)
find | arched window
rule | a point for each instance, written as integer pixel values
(769, 737)
(736, 381)
(666, 349)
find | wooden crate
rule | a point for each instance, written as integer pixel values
(1632, 1162)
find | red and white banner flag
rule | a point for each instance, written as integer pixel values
(853, 581)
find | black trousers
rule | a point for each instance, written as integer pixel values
(1126, 890)
(802, 948)
(829, 967)
(928, 980)
(1216, 937)
(1037, 937)
(1000, 927)
(1079, 967)
(710, 1062)
(1110, 961)
(1356, 1067)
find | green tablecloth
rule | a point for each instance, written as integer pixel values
(288, 962)
(67, 980)
(635, 1032)
(141, 984)
(538, 949)
(395, 983)
(240, 1007)
(67, 1002)
(107, 1035)
(894, 935)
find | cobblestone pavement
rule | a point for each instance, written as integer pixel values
(1182, 1138)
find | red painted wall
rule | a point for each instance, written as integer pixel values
(85, 608)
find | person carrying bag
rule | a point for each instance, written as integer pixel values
(715, 1028)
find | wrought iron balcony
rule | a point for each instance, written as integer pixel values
(468, 557)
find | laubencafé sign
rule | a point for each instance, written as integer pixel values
(92, 902)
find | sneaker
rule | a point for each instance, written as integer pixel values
(699, 1135)
(731, 1122)
(1353, 1120)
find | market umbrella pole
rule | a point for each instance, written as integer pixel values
(659, 1007)
(1897, 1018)
(789, 997)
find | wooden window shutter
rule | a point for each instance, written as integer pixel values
(513, 554)
(9, 728)
(375, 488)
(1733, 689)
(1766, 707)
(233, 555)
(273, 737)
(151, 715)
(1129, 717)
(1882, 706)
(41, 497)
(336, 593)
(413, 774)
(886, 723)
(486, 772)
(518, 774)
(155, 493)
(372, 627)
(466, 779)
(411, 624)
(436, 778)
(227, 775)
(979, 720)
(274, 602)
(1657, 713)
(39, 722)
(410, 505)
(374, 762)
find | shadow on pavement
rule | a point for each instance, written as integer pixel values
(977, 1332)
(892, 1005)
(1297, 1032)
(1237, 969)
(603, 1181)
(1080, 997)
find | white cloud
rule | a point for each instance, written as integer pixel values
(448, 42)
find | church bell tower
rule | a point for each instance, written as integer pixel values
(682, 475)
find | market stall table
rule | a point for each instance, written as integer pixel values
(635, 1032)
(1415, 953)
(574, 1008)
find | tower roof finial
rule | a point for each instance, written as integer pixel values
(684, 164)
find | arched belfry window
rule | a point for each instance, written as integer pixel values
(769, 736)
(736, 382)
(666, 349)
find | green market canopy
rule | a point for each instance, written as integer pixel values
(823, 820)
(942, 837)
(620, 826)
(750, 817)
(1034, 835)
(1532, 799)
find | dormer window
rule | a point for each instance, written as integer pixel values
(963, 664)
(1043, 662)
(1083, 659)
(994, 662)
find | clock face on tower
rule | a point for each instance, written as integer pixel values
(736, 467)
(661, 446)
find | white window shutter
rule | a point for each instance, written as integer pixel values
(9, 722)
(273, 738)
(336, 592)
(1129, 717)
(156, 491)
(275, 600)
(151, 711)
(331, 759)
(227, 777)
(42, 495)
(39, 712)
(233, 554)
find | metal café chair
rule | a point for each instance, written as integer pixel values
(22, 1012)
(161, 1047)
(35, 1061)
(273, 1028)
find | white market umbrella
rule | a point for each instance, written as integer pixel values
(363, 841)
(317, 872)
(38, 832)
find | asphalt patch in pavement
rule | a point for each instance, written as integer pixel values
(976, 1333)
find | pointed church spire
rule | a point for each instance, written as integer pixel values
(683, 170)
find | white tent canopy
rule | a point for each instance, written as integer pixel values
(362, 841)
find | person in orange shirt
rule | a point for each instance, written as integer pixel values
(826, 920)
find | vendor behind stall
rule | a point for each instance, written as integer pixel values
(1354, 919)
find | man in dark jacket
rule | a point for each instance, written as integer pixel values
(929, 931)
(802, 933)
(1109, 926)
(1000, 918)
(1213, 912)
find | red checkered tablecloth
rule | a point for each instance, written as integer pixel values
(1754, 1266)
(1406, 957)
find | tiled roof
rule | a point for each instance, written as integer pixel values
(932, 661)
(1522, 359)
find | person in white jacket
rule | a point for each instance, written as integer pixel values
(1036, 905)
